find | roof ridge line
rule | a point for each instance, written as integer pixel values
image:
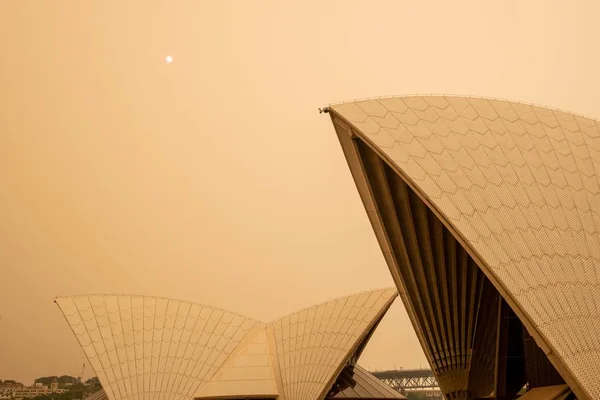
(382, 289)
(465, 97)
(160, 298)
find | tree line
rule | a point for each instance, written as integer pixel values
(75, 389)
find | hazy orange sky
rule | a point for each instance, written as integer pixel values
(213, 178)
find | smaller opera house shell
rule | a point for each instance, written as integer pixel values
(149, 348)
(488, 215)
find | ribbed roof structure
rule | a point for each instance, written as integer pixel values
(314, 344)
(155, 348)
(146, 348)
(516, 188)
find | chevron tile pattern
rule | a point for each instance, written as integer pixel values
(152, 348)
(519, 186)
(313, 344)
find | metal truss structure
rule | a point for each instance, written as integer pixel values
(409, 380)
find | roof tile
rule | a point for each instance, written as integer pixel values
(546, 116)
(478, 124)
(535, 129)
(436, 101)
(383, 139)
(407, 118)
(477, 201)
(555, 133)
(431, 188)
(351, 112)
(429, 164)
(448, 113)
(483, 108)
(368, 126)
(450, 142)
(401, 134)
(429, 115)
(504, 110)
(445, 160)
(394, 104)
(416, 103)
(389, 121)
(520, 183)
(566, 120)
(419, 130)
(373, 108)
(399, 154)
(525, 112)
(438, 127)
(496, 223)
(515, 127)
(432, 144)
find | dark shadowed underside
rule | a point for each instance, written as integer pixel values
(356, 383)
(484, 241)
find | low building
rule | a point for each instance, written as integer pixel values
(30, 391)
(17, 392)
(6, 391)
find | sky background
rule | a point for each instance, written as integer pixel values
(214, 179)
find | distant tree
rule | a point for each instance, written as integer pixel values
(11, 382)
(69, 395)
(93, 381)
(42, 397)
(45, 380)
(62, 380)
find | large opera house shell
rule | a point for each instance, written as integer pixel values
(149, 348)
(488, 214)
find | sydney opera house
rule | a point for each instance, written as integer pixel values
(487, 213)
(148, 348)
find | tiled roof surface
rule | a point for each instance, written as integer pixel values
(314, 343)
(519, 185)
(149, 348)
(247, 373)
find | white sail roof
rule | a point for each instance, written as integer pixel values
(153, 348)
(518, 186)
(156, 348)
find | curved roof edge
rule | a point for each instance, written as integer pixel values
(118, 339)
(337, 328)
(332, 300)
(328, 333)
(543, 340)
(465, 96)
(154, 297)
